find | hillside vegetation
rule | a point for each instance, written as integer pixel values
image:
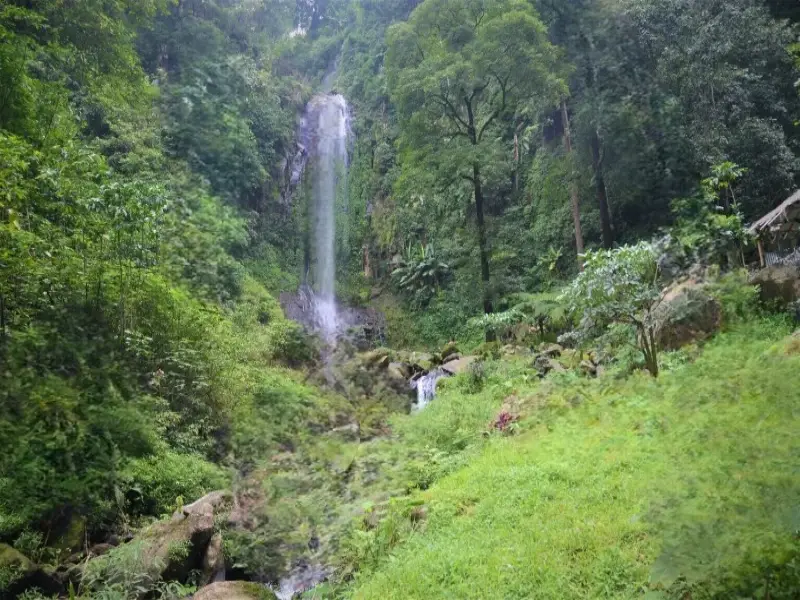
(520, 173)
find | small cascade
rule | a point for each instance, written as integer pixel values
(300, 580)
(426, 387)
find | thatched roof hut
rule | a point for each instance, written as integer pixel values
(783, 219)
(777, 224)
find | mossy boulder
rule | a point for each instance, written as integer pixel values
(448, 351)
(18, 573)
(459, 365)
(172, 549)
(72, 537)
(688, 313)
(235, 590)
(779, 284)
(175, 547)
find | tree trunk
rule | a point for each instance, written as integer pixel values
(573, 187)
(649, 348)
(2, 320)
(484, 252)
(602, 195)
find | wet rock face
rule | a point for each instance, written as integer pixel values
(364, 328)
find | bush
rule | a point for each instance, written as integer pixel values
(160, 484)
(738, 298)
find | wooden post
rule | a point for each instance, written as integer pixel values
(761, 259)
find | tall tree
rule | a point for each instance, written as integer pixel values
(458, 71)
(573, 186)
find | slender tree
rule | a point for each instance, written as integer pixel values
(573, 186)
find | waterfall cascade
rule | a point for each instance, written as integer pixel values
(324, 133)
(426, 387)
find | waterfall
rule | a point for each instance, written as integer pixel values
(324, 133)
(426, 387)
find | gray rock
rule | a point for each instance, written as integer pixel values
(216, 500)
(214, 559)
(455, 367)
(551, 350)
(589, 368)
(545, 365)
(687, 313)
(780, 283)
(449, 351)
(400, 370)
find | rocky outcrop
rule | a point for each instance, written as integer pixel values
(214, 559)
(172, 549)
(459, 365)
(686, 314)
(778, 284)
(545, 364)
(235, 590)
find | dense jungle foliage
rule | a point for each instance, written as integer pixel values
(519, 170)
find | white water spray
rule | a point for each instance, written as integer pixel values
(325, 132)
(426, 387)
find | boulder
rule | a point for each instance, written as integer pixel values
(216, 500)
(687, 313)
(448, 351)
(421, 361)
(20, 573)
(551, 350)
(214, 559)
(235, 590)
(778, 284)
(171, 549)
(455, 367)
(400, 370)
(588, 368)
(376, 359)
(545, 365)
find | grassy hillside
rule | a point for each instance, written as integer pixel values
(681, 487)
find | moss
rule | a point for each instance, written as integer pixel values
(13, 566)
(258, 592)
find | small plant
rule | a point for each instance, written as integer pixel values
(419, 273)
(548, 265)
(179, 551)
(475, 377)
(619, 286)
(31, 544)
(705, 231)
(122, 574)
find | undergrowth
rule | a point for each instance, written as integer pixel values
(685, 486)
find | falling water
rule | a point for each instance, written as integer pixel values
(426, 387)
(325, 131)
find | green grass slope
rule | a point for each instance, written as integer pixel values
(684, 487)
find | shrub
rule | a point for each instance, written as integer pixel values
(619, 286)
(738, 298)
(157, 484)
